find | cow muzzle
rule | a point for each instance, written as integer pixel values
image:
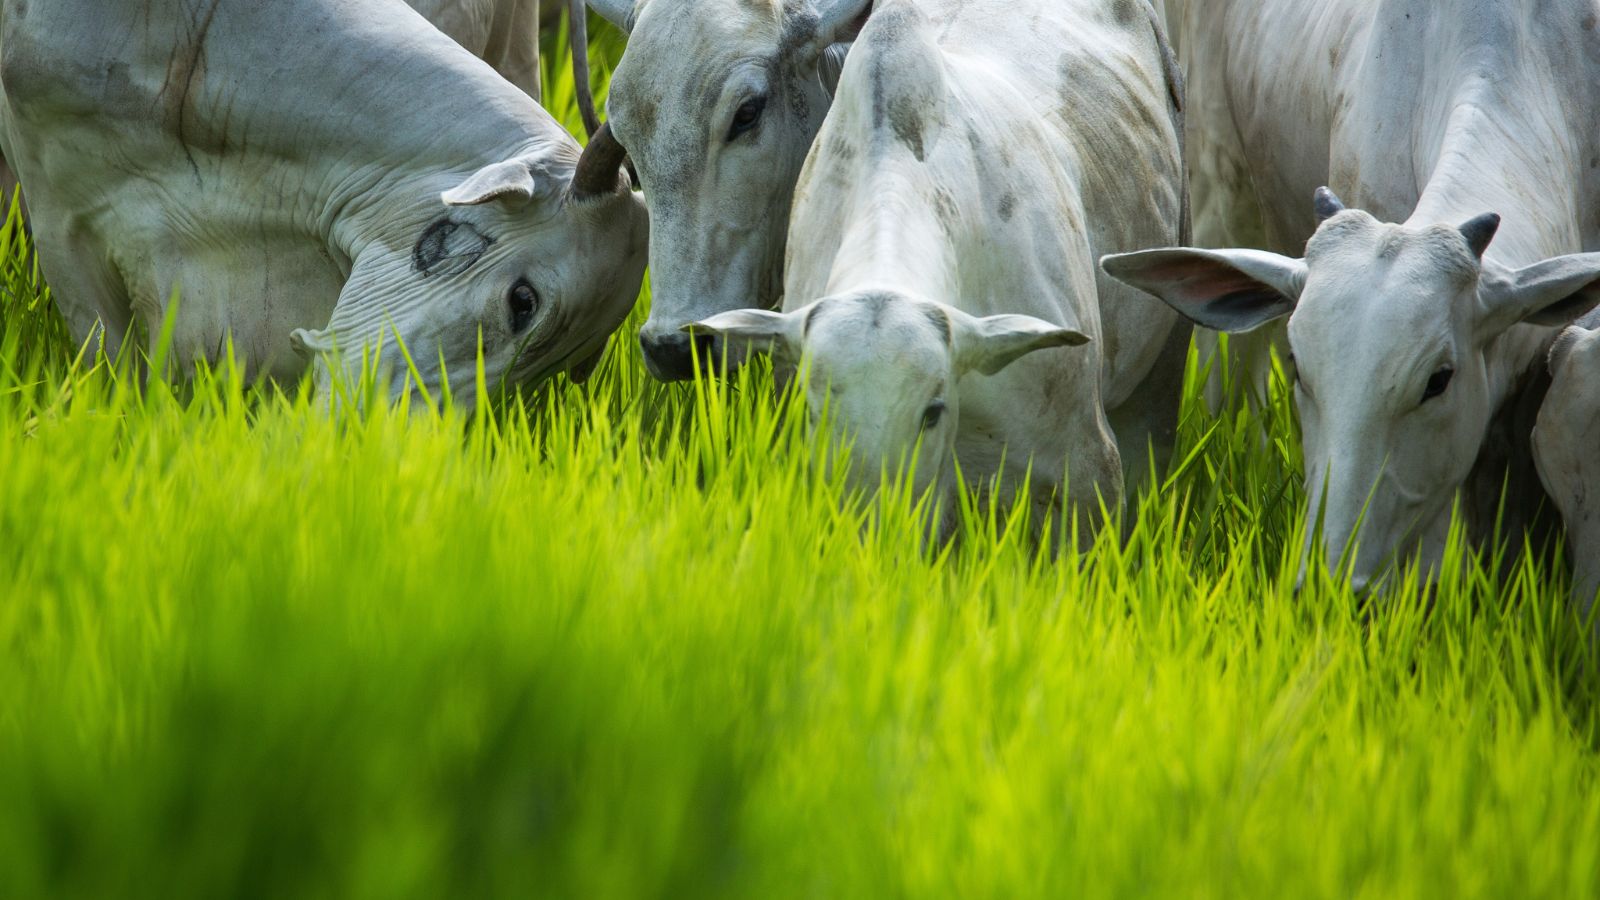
(671, 355)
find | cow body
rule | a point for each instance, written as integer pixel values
(502, 33)
(1422, 116)
(978, 158)
(281, 172)
(1566, 444)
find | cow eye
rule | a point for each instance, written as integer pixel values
(524, 301)
(1437, 383)
(746, 117)
(932, 415)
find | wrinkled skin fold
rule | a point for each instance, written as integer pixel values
(322, 209)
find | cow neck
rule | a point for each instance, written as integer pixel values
(1480, 169)
(429, 114)
(894, 239)
(1481, 136)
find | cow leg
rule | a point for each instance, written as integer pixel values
(1079, 483)
(1146, 424)
(88, 293)
(1246, 372)
(514, 45)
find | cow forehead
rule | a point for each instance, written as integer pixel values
(1374, 285)
(681, 50)
(909, 341)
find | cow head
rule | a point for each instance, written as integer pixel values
(534, 258)
(1388, 327)
(717, 102)
(888, 369)
(1566, 448)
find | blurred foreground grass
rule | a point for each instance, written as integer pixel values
(624, 640)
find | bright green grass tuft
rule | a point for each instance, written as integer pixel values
(626, 640)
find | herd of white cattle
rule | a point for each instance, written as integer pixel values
(964, 224)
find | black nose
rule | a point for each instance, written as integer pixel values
(670, 356)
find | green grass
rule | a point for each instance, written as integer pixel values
(626, 640)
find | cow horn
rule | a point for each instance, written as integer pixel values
(1479, 231)
(598, 167)
(578, 40)
(1327, 204)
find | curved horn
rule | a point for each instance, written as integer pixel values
(617, 12)
(578, 40)
(1327, 204)
(1479, 231)
(598, 168)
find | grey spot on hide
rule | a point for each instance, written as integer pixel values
(907, 124)
(449, 247)
(1008, 206)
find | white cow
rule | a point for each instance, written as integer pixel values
(718, 103)
(1566, 446)
(978, 158)
(334, 163)
(1414, 342)
(502, 33)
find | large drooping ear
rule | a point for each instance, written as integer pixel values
(1553, 292)
(989, 344)
(830, 68)
(757, 330)
(1224, 290)
(620, 13)
(309, 344)
(512, 181)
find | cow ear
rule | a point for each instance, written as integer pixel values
(1224, 290)
(757, 331)
(1552, 293)
(839, 22)
(511, 181)
(310, 344)
(1581, 338)
(620, 13)
(988, 345)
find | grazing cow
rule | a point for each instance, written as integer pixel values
(1417, 345)
(335, 163)
(945, 233)
(718, 102)
(1566, 446)
(502, 33)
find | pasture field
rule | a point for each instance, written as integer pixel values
(625, 640)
